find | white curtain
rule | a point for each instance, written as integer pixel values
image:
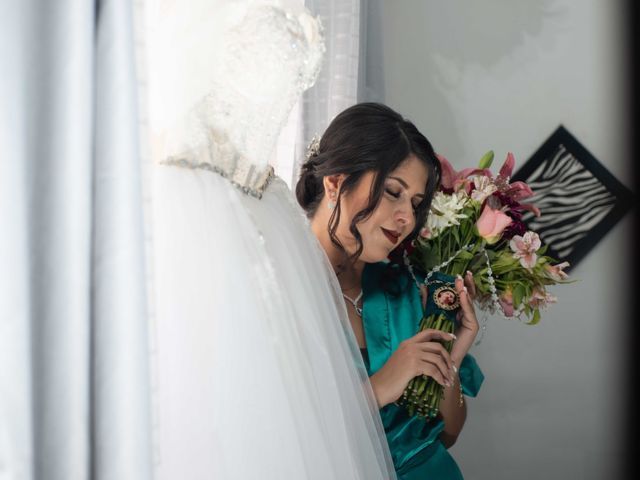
(337, 85)
(73, 342)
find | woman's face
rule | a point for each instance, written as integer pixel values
(394, 217)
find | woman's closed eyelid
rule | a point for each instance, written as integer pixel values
(392, 193)
(396, 195)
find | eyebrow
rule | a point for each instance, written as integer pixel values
(405, 185)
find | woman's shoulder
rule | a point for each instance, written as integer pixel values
(390, 278)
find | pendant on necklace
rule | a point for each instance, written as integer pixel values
(354, 302)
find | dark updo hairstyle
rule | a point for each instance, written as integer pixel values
(365, 137)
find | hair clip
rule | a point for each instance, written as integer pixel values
(314, 147)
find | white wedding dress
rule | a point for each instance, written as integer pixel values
(257, 373)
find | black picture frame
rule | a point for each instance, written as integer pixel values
(580, 200)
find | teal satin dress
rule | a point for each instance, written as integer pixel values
(389, 319)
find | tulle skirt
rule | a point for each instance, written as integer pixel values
(257, 373)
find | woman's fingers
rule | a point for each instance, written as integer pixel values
(465, 300)
(431, 334)
(466, 306)
(470, 284)
(430, 370)
(437, 348)
(437, 360)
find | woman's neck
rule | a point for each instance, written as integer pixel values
(349, 273)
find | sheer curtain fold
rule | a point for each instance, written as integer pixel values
(337, 85)
(73, 343)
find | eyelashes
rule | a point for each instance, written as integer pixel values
(396, 195)
(392, 193)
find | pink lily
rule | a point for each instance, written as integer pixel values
(452, 181)
(531, 208)
(518, 191)
(507, 167)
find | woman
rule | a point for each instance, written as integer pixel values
(366, 188)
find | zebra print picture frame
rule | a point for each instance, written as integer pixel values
(579, 198)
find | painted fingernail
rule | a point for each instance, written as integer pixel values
(455, 369)
(459, 276)
(469, 273)
(453, 336)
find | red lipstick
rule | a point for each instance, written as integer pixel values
(392, 236)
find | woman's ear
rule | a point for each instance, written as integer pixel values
(332, 184)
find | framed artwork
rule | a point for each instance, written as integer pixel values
(579, 198)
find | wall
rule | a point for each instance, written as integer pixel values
(503, 75)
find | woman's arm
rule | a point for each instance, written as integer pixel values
(454, 413)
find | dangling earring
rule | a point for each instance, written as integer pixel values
(331, 203)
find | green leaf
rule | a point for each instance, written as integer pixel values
(486, 160)
(518, 295)
(535, 319)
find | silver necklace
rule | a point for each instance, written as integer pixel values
(355, 302)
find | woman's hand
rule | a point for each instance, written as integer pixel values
(468, 322)
(421, 354)
(468, 327)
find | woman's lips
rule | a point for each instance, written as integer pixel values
(392, 236)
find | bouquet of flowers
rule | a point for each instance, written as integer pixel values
(475, 224)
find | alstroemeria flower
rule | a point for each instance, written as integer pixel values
(492, 223)
(483, 188)
(540, 298)
(525, 247)
(556, 272)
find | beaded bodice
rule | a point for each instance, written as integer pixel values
(229, 117)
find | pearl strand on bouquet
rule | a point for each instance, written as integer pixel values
(494, 293)
(434, 269)
(492, 284)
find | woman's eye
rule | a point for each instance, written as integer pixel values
(392, 193)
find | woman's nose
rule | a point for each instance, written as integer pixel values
(404, 216)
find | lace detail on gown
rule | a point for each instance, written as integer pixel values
(267, 59)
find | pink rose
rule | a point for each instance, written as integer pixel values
(492, 223)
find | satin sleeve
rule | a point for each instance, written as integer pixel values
(471, 376)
